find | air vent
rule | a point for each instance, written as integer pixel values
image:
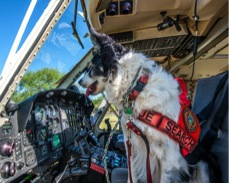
(186, 47)
(221, 56)
(122, 37)
(157, 47)
(178, 46)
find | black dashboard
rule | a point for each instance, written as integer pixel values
(41, 127)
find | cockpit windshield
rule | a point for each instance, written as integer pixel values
(60, 52)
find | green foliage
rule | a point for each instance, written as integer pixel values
(34, 82)
(97, 102)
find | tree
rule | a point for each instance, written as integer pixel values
(97, 102)
(34, 82)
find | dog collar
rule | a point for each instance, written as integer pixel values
(137, 89)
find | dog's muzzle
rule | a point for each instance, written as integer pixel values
(91, 88)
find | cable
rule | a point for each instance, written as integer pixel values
(169, 59)
(62, 174)
(195, 45)
(193, 67)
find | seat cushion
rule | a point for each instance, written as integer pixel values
(119, 175)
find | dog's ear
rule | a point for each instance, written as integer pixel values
(104, 44)
(97, 39)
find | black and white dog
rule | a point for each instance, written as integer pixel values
(113, 69)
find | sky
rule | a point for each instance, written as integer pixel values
(61, 50)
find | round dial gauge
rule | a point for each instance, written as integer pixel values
(39, 113)
(42, 135)
(52, 111)
(55, 111)
(49, 111)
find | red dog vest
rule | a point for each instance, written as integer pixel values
(185, 132)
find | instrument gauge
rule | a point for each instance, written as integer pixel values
(55, 123)
(56, 126)
(65, 125)
(40, 114)
(52, 111)
(55, 111)
(42, 136)
(27, 137)
(63, 114)
(49, 111)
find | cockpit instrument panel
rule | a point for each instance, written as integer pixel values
(44, 125)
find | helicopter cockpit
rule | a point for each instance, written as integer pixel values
(50, 131)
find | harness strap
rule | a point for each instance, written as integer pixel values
(186, 133)
(183, 97)
(136, 130)
(128, 143)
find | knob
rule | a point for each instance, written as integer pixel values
(6, 148)
(12, 168)
(20, 165)
(5, 170)
(8, 169)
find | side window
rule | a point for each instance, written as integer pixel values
(104, 116)
(112, 115)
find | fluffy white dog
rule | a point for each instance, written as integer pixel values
(113, 69)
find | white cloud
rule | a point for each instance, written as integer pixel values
(64, 25)
(45, 57)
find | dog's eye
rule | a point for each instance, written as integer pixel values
(89, 68)
(86, 69)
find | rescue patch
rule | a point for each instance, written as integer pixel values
(190, 120)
